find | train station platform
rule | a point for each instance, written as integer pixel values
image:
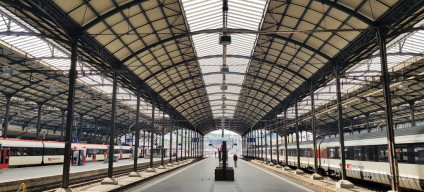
(39, 178)
(199, 177)
(13, 174)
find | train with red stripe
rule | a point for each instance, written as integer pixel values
(366, 156)
(19, 152)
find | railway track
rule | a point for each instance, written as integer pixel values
(75, 183)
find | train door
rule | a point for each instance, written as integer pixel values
(93, 155)
(78, 157)
(4, 158)
(120, 154)
(75, 157)
(81, 159)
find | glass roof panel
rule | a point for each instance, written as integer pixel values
(207, 14)
(54, 57)
(410, 45)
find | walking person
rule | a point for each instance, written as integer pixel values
(235, 160)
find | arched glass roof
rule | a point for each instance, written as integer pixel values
(169, 49)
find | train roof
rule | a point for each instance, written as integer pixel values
(417, 130)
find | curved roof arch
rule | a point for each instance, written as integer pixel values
(278, 47)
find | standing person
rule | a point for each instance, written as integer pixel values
(235, 160)
(215, 154)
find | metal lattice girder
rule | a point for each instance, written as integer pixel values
(362, 46)
(69, 25)
(156, 54)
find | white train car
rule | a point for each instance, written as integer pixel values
(123, 151)
(33, 152)
(366, 156)
(94, 152)
(53, 152)
(23, 152)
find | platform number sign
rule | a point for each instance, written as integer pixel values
(251, 140)
(195, 139)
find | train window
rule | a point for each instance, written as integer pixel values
(349, 153)
(333, 153)
(383, 154)
(125, 151)
(60, 151)
(419, 154)
(26, 151)
(323, 153)
(309, 153)
(357, 153)
(369, 154)
(49, 151)
(402, 153)
(89, 152)
(292, 152)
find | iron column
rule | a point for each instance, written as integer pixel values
(137, 131)
(412, 113)
(257, 144)
(197, 145)
(385, 81)
(151, 133)
(70, 114)
(278, 147)
(266, 146)
(39, 106)
(262, 152)
(143, 151)
(297, 132)
(185, 144)
(181, 152)
(270, 144)
(247, 143)
(170, 142)
(285, 138)
(368, 124)
(340, 124)
(80, 131)
(176, 146)
(95, 130)
(163, 140)
(314, 131)
(6, 117)
(112, 127)
(63, 125)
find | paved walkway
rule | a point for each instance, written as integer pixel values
(13, 174)
(199, 177)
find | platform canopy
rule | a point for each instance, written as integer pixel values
(168, 49)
